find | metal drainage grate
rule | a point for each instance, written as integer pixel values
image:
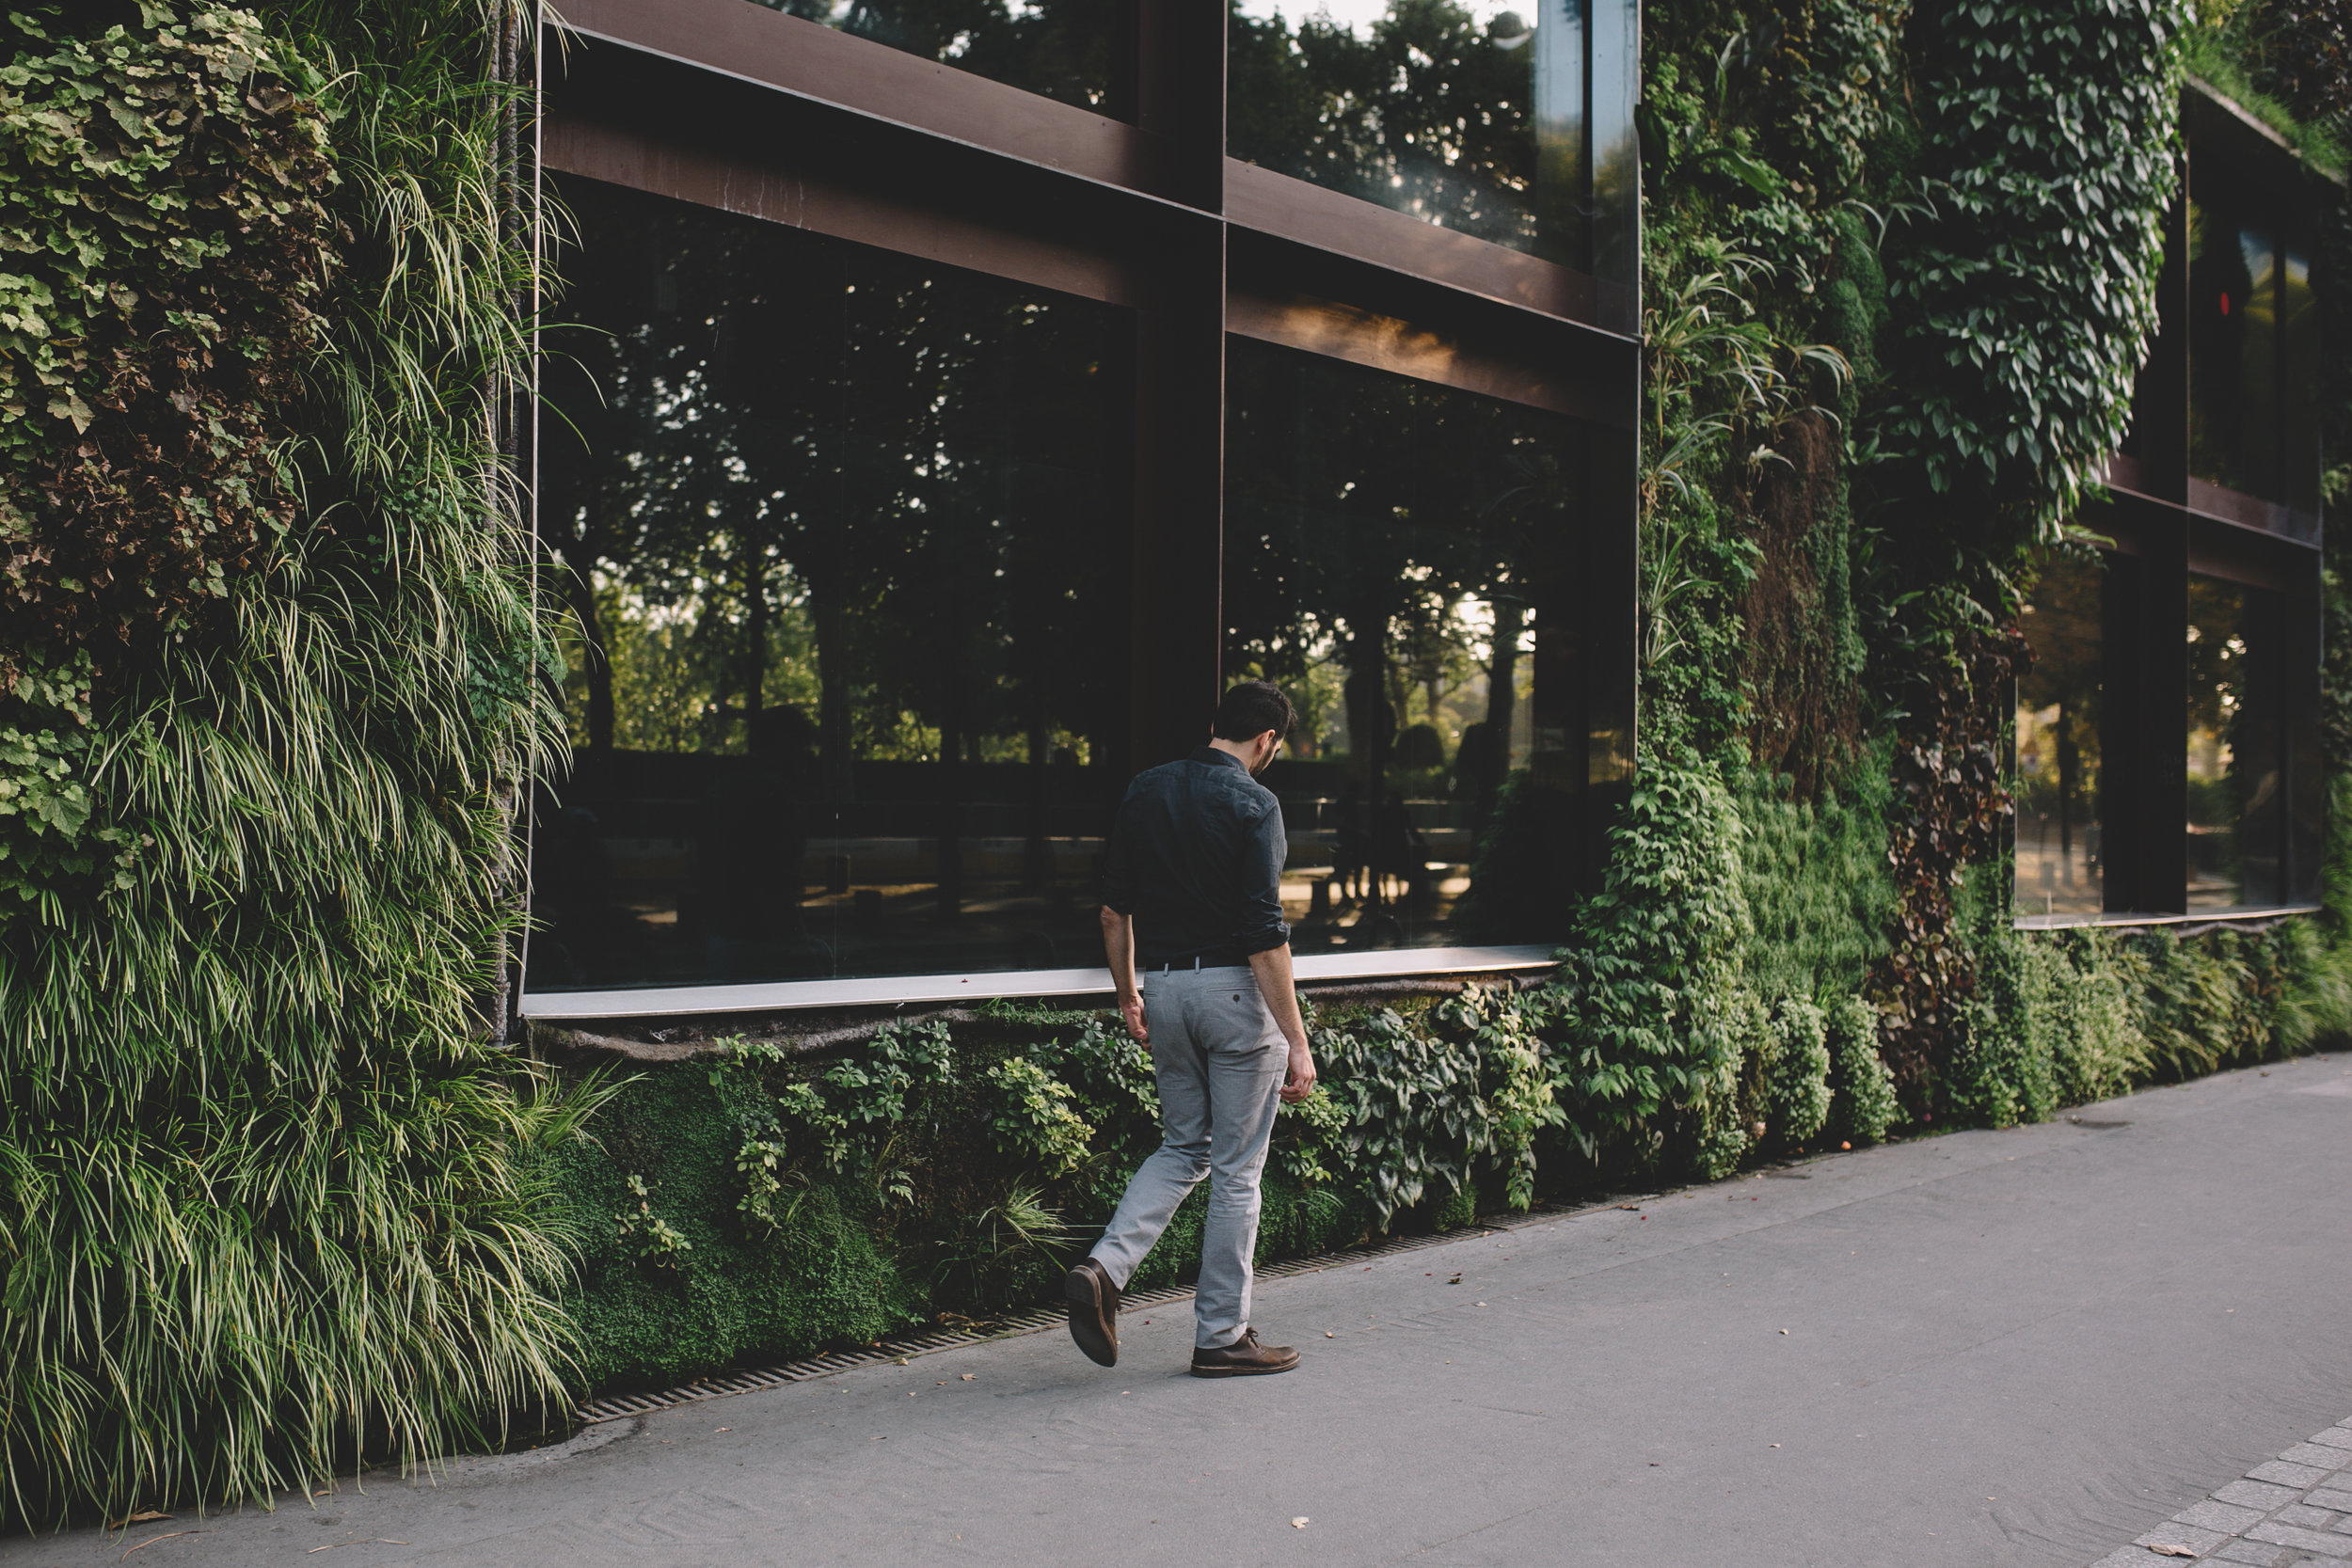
(614, 1406)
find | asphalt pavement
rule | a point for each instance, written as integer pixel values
(2027, 1347)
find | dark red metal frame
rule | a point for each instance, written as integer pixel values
(731, 105)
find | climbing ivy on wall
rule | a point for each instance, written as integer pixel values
(165, 222)
(2024, 283)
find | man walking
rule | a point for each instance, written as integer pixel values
(1192, 898)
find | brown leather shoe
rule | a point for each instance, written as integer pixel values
(1243, 1357)
(1094, 1311)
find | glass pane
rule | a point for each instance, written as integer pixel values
(1078, 51)
(2234, 283)
(2299, 394)
(844, 537)
(1467, 114)
(1398, 557)
(2234, 745)
(2059, 839)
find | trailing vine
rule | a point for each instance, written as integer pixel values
(2025, 279)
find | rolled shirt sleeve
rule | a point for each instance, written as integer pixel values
(1263, 928)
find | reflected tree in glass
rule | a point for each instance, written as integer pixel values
(841, 533)
(1080, 51)
(2234, 745)
(1467, 117)
(2059, 837)
(1394, 552)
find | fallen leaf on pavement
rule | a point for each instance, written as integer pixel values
(165, 1536)
(2169, 1549)
(968, 1376)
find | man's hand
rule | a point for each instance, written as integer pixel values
(1275, 984)
(1300, 1081)
(1131, 1008)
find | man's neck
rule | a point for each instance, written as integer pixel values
(1238, 750)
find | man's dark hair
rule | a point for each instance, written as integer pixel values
(1250, 709)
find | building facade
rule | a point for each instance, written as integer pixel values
(944, 411)
(944, 407)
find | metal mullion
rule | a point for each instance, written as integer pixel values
(1180, 388)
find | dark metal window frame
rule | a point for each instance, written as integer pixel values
(728, 105)
(2176, 526)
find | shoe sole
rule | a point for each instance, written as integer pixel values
(1243, 1371)
(1086, 1319)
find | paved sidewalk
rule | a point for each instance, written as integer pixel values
(2031, 1347)
(2296, 1509)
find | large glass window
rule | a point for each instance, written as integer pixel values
(2059, 838)
(1468, 114)
(844, 539)
(2253, 356)
(1399, 557)
(2235, 745)
(1078, 51)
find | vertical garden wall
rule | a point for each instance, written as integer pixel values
(266, 700)
(276, 1191)
(1901, 267)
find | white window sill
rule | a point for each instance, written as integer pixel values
(882, 990)
(2197, 917)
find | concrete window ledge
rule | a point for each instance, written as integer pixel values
(674, 1023)
(2180, 925)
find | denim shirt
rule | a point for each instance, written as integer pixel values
(1196, 857)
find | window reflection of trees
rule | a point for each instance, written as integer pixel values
(1426, 108)
(2253, 355)
(1390, 547)
(1077, 51)
(853, 521)
(2060, 848)
(2233, 745)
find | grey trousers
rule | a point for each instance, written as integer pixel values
(1220, 1062)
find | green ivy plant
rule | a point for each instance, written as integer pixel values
(53, 843)
(165, 238)
(648, 1236)
(2025, 287)
(1410, 1110)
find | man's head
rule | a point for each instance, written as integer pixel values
(1251, 722)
